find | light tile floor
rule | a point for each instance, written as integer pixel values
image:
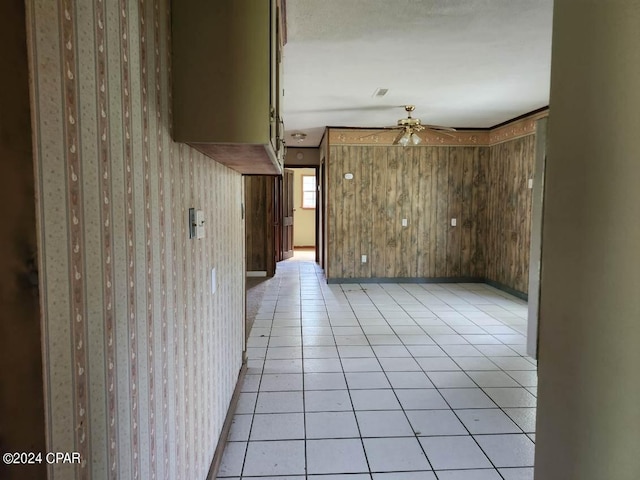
(384, 382)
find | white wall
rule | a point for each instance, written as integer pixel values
(589, 380)
(304, 220)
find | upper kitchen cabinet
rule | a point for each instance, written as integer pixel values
(226, 88)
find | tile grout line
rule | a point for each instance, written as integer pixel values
(353, 410)
(465, 426)
(398, 398)
(354, 309)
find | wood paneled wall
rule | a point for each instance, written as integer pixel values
(259, 225)
(428, 186)
(485, 188)
(507, 215)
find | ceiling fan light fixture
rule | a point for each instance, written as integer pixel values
(299, 136)
(415, 139)
(404, 140)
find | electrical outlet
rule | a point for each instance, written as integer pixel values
(531, 183)
(405, 222)
(454, 222)
(363, 259)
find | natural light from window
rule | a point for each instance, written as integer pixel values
(308, 191)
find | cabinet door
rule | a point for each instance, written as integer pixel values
(274, 57)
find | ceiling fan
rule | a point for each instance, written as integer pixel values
(410, 126)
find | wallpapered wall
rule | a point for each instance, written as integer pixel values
(140, 358)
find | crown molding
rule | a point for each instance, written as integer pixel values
(461, 138)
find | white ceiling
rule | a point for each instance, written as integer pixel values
(462, 63)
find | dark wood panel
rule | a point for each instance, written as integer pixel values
(404, 177)
(432, 200)
(334, 212)
(479, 194)
(508, 213)
(454, 235)
(426, 186)
(349, 229)
(22, 399)
(392, 215)
(364, 211)
(246, 159)
(259, 224)
(484, 188)
(442, 212)
(422, 210)
(379, 206)
(468, 218)
(414, 220)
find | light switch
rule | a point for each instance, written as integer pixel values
(196, 223)
(531, 183)
(405, 222)
(363, 259)
(199, 224)
(454, 222)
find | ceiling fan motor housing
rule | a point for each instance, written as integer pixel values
(410, 122)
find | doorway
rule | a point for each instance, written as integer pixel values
(305, 201)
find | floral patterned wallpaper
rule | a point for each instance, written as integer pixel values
(140, 358)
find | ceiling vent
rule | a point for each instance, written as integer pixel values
(380, 92)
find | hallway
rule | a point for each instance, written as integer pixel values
(384, 382)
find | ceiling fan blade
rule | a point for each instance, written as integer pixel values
(439, 127)
(442, 131)
(371, 108)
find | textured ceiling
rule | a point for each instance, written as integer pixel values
(463, 63)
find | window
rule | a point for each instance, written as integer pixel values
(308, 191)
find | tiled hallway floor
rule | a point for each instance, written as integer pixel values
(384, 382)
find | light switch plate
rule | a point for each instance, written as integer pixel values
(199, 224)
(454, 222)
(405, 222)
(531, 183)
(196, 223)
(363, 259)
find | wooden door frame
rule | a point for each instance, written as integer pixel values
(319, 204)
(277, 218)
(535, 252)
(286, 203)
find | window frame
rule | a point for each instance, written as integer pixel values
(314, 191)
